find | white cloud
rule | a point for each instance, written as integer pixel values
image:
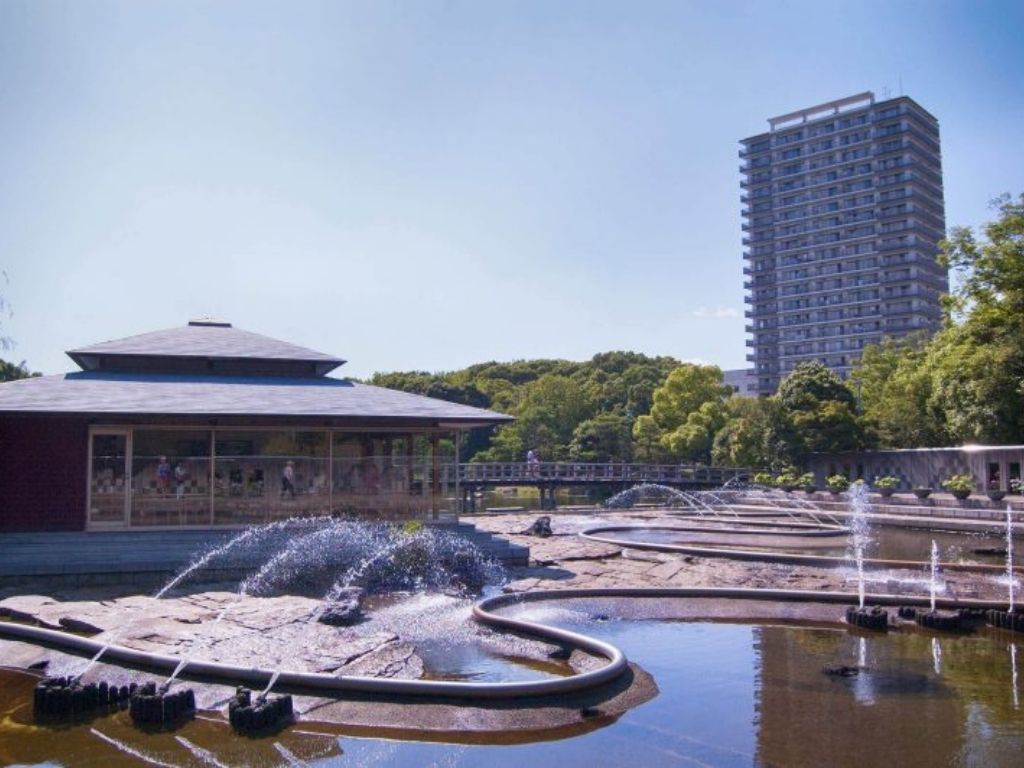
(717, 312)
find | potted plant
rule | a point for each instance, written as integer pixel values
(836, 484)
(886, 485)
(1016, 485)
(787, 480)
(764, 478)
(806, 481)
(994, 492)
(922, 493)
(960, 486)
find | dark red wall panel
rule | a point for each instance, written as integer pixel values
(43, 473)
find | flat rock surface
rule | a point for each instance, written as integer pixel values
(268, 632)
(566, 561)
(404, 637)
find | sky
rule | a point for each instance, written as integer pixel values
(425, 185)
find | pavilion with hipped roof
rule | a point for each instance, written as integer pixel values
(210, 425)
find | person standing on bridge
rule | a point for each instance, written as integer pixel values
(531, 463)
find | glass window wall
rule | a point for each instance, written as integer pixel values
(107, 491)
(264, 475)
(170, 477)
(150, 476)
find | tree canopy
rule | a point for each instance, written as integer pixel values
(964, 384)
(564, 409)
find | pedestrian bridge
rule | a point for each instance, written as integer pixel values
(585, 473)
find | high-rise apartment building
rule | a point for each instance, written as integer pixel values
(842, 214)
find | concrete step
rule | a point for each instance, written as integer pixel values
(114, 552)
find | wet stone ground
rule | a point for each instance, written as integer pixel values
(276, 631)
(566, 561)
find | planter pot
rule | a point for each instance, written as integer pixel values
(788, 488)
(887, 492)
(922, 493)
(809, 489)
(997, 495)
(961, 494)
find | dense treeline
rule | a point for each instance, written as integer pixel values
(966, 384)
(564, 410)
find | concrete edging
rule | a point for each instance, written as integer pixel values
(773, 557)
(483, 612)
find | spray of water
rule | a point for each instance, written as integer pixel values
(205, 756)
(400, 559)
(1009, 553)
(328, 557)
(248, 536)
(278, 562)
(290, 757)
(934, 573)
(632, 496)
(135, 754)
(1013, 675)
(860, 506)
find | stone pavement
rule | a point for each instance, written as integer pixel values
(566, 561)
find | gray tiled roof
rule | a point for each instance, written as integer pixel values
(202, 340)
(137, 394)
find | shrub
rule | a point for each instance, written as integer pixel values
(806, 480)
(837, 482)
(411, 527)
(888, 481)
(787, 479)
(1017, 485)
(763, 478)
(959, 483)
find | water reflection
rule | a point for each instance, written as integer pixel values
(730, 695)
(1013, 672)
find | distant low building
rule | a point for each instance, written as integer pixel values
(210, 425)
(742, 380)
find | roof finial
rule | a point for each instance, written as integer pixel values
(209, 321)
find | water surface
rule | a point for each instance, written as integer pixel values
(730, 695)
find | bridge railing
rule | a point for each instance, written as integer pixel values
(494, 473)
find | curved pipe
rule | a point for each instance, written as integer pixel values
(775, 557)
(258, 677)
(751, 528)
(483, 612)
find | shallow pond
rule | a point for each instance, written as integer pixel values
(886, 543)
(730, 695)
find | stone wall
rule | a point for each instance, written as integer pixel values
(990, 466)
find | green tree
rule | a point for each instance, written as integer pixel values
(810, 384)
(647, 440)
(615, 383)
(821, 410)
(606, 437)
(978, 359)
(894, 383)
(13, 371)
(757, 435)
(548, 412)
(685, 390)
(688, 409)
(693, 439)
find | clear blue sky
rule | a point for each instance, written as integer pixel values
(430, 184)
